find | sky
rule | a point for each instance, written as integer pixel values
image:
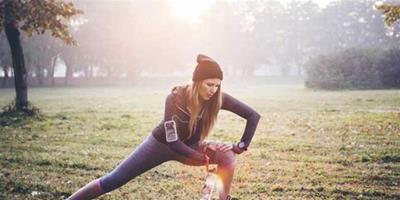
(190, 10)
(321, 3)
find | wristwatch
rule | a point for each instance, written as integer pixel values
(242, 146)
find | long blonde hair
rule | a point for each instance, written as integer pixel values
(210, 108)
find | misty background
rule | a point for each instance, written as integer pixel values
(124, 42)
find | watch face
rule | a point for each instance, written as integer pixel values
(241, 145)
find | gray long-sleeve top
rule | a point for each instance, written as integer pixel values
(176, 109)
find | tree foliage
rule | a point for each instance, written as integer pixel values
(391, 12)
(38, 16)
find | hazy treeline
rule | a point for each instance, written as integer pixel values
(355, 69)
(126, 38)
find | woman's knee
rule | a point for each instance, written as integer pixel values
(227, 158)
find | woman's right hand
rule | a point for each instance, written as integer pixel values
(207, 161)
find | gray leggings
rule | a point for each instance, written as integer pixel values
(146, 156)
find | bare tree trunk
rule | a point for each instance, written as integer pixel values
(86, 72)
(91, 71)
(13, 37)
(109, 72)
(5, 70)
(68, 72)
(39, 73)
(52, 68)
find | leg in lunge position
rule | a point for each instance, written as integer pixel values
(224, 157)
(148, 155)
(226, 171)
(89, 191)
(189, 116)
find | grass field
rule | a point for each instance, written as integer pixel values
(309, 144)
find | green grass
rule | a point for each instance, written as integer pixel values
(309, 144)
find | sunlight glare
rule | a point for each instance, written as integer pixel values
(190, 10)
(219, 184)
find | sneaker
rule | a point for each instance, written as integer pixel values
(231, 198)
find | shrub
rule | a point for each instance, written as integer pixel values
(355, 69)
(12, 116)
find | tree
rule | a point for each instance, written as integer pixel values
(391, 12)
(32, 16)
(40, 51)
(299, 40)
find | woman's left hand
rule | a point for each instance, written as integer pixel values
(237, 150)
(218, 146)
(225, 147)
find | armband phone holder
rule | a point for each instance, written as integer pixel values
(171, 134)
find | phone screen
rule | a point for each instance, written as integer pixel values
(171, 134)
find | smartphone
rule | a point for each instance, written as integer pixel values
(171, 135)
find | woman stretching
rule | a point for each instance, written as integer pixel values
(190, 113)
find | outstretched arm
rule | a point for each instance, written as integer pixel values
(241, 109)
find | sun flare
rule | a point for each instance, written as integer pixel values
(190, 10)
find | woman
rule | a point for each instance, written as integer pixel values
(190, 113)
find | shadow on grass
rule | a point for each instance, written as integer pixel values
(382, 180)
(390, 158)
(43, 162)
(36, 191)
(347, 194)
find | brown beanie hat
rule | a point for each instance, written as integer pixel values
(206, 68)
